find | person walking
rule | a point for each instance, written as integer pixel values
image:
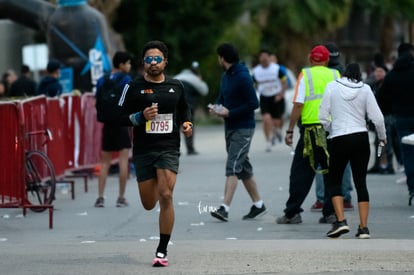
(396, 97)
(345, 105)
(311, 149)
(236, 104)
(194, 88)
(271, 82)
(115, 138)
(334, 63)
(155, 105)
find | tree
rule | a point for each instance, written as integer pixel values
(246, 38)
(292, 27)
(390, 11)
(189, 27)
(108, 9)
(193, 29)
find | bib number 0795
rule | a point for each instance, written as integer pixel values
(162, 124)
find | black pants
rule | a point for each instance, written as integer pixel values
(301, 179)
(189, 141)
(354, 148)
(392, 147)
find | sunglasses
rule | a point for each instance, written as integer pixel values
(148, 59)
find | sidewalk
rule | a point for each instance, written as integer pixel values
(88, 240)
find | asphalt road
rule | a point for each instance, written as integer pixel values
(87, 240)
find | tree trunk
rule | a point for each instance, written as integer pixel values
(387, 37)
(294, 51)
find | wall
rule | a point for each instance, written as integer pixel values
(14, 37)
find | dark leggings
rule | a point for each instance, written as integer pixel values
(354, 148)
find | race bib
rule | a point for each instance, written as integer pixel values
(162, 124)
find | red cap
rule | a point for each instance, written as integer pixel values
(319, 54)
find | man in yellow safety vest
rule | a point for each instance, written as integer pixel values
(311, 155)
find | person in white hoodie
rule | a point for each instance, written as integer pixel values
(345, 105)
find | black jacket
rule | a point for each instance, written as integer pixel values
(23, 86)
(49, 86)
(396, 95)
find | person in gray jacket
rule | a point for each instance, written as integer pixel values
(194, 89)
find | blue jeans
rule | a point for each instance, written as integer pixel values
(346, 185)
(405, 126)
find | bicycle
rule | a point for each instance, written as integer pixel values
(40, 176)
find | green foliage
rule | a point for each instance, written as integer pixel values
(291, 27)
(403, 9)
(193, 29)
(246, 38)
(307, 18)
(188, 27)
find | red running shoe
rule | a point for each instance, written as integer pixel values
(317, 207)
(348, 206)
(160, 260)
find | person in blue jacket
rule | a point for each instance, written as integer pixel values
(236, 104)
(49, 85)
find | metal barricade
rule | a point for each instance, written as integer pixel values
(11, 157)
(57, 127)
(73, 120)
(91, 133)
(19, 118)
(33, 118)
(74, 149)
(72, 115)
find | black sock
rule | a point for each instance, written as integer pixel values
(162, 246)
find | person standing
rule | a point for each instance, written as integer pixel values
(384, 164)
(271, 83)
(311, 149)
(8, 78)
(236, 104)
(396, 97)
(343, 111)
(156, 107)
(2, 89)
(194, 88)
(24, 85)
(49, 85)
(115, 138)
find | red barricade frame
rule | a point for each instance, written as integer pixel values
(91, 134)
(74, 149)
(23, 117)
(11, 157)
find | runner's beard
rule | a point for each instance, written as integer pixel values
(153, 71)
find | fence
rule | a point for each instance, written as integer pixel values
(73, 149)
(11, 156)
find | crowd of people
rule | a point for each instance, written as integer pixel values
(334, 109)
(13, 85)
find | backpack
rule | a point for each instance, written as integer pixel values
(107, 98)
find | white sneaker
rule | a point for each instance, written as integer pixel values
(268, 146)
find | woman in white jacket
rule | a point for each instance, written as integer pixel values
(343, 111)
